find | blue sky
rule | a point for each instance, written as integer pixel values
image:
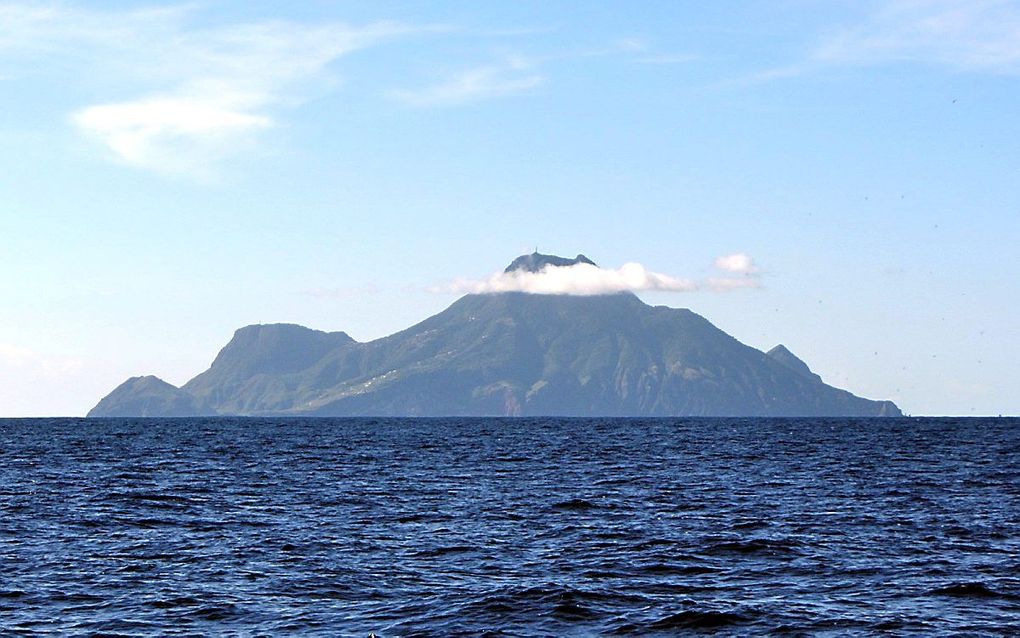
(171, 172)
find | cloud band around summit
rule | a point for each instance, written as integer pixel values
(586, 279)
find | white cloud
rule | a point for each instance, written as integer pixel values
(669, 58)
(24, 361)
(199, 94)
(970, 35)
(745, 273)
(726, 284)
(737, 262)
(578, 279)
(976, 36)
(631, 44)
(34, 383)
(344, 292)
(515, 75)
(12, 355)
(586, 279)
(167, 133)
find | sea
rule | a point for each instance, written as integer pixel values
(509, 527)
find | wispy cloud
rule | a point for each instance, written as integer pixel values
(977, 36)
(342, 292)
(586, 279)
(579, 279)
(201, 93)
(185, 95)
(968, 35)
(13, 355)
(170, 133)
(668, 58)
(520, 74)
(726, 284)
(19, 360)
(512, 76)
(741, 271)
(737, 262)
(633, 44)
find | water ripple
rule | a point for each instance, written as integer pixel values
(527, 527)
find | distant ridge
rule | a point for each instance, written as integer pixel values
(503, 354)
(150, 396)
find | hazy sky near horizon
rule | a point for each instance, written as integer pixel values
(171, 172)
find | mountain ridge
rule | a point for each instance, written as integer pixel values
(536, 261)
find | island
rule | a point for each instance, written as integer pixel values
(502, 354)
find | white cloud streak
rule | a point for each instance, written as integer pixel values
(513, 76)
(207, 92)
(517, 75)
(168, 133)
(344, 292)
(727, 284)
(23, 361)
(968, 35)
(737, 262)
(742, 273)
(12, 355)
(188, 96)
(586, 279)
(578, 279)
(668, 58)
(973, 36)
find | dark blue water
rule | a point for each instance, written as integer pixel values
(515, 527)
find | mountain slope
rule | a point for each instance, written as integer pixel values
(248, 371)
(515, 353)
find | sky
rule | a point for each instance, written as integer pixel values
(172, 172)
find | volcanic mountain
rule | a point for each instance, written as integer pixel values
(510, 354)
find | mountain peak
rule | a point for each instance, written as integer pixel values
(783, 355)
(149, 396)
(536, 261)
(782, 351)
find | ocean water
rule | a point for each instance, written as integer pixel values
(517, 527)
